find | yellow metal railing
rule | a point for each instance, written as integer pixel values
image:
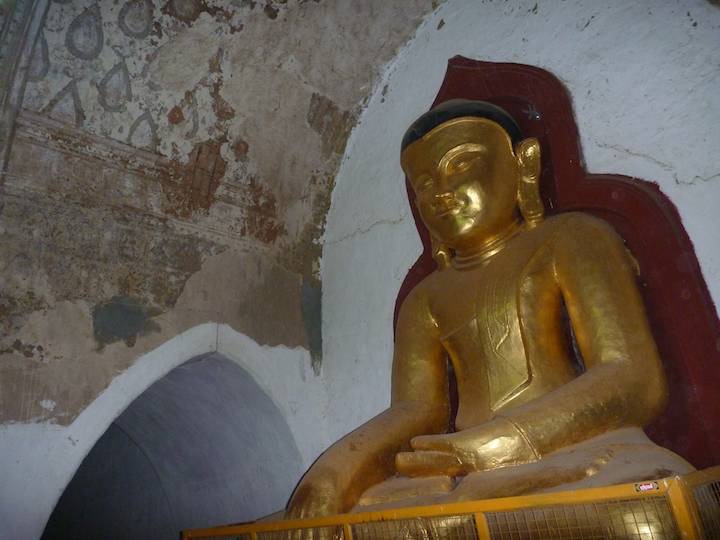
(685, 507)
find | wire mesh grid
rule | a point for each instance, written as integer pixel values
(647, 518)
(334, 532)
(431, 528)
(707, 499)
(228, 537)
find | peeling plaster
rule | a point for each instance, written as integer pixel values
(248, 94)
(48, 404)
(331, 123)
(242, 83)
(200, 178)
(311, 306)
(245, 290)
(173, 165)
(122, 318)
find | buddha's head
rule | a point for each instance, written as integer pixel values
(466, 161)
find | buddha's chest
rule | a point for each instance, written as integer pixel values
(486, 300)
(485, 297)
(479, 313)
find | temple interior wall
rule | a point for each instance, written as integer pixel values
(179, 183)
(171, 164)
(166, 188)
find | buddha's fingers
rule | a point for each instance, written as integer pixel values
(432, 443)
(427, 464)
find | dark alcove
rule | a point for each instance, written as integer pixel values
(202, 446)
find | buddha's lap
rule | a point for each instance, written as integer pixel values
(623, 455)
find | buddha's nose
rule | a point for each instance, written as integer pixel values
(444, 201)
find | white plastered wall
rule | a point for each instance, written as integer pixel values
(643, 77)
(37, 460)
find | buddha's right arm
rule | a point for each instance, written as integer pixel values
(366, 456)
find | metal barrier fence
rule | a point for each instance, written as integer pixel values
(686, 507)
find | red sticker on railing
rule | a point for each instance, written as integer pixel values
(646, 486)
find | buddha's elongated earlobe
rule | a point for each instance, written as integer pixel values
(441, 253)
(531, 205)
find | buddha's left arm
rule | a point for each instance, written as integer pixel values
(623, 384)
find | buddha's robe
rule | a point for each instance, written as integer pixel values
(550, 335)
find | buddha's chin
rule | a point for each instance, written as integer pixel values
(450, 239)
(450, 232)
(461, 238)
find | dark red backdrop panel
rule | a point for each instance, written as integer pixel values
(682, 315)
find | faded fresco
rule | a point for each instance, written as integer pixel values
(172, 164)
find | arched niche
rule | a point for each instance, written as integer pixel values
(643, 110)
(201, 446)
(679, 307)
(39, 460)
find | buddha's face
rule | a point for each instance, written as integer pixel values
(465, 176)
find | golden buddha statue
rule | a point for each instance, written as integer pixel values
(556, 367)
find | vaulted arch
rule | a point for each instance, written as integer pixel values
(202, 445)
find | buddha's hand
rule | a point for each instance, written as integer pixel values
(494, 444)
(316, 496)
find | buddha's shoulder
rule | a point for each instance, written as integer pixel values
(572, 226)
(423, 289)
(576, 234)
(418, 300)
(422, 294)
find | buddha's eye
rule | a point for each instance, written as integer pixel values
(462, 163)
(423, 183)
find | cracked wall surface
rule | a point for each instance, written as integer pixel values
(172, 164)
